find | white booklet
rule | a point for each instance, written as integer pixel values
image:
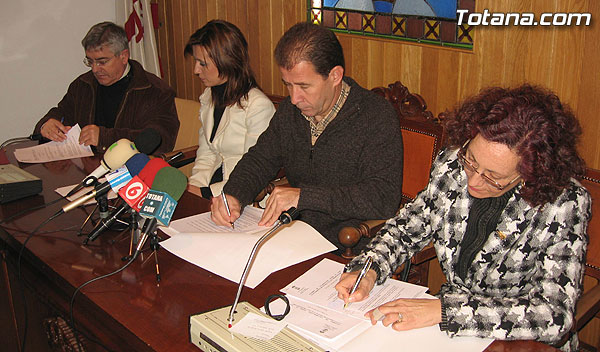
(225, 251)
(317, 314)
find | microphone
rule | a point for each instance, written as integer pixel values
(99, 190)
(135, 165)
(105, 224)
(173, 159)
(148, 141)
(159, 205)
(118, 153)
(150, 171)
(285, 218)
(102, 188)
(121, 176)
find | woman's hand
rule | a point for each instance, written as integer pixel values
(408, 314)
(347, 280)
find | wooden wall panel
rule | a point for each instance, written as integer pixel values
(588, 93)
(560, 58)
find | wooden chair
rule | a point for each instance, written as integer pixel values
(187, 137)
(422, 137)
(588, 305)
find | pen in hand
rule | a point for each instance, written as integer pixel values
(361, 275)
(227, 208)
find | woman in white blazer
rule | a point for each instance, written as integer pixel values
(234, 110)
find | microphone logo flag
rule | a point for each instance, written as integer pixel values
(118, 178)
(134, 193)
(159, 205)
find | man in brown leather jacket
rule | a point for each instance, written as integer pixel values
(116, 99)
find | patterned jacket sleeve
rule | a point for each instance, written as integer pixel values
(545, 312)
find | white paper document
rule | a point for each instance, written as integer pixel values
(224, 251)
(258, 326)
(201, 223)
(318, 314)
(52, 151)
(317, 309)
(317, 286)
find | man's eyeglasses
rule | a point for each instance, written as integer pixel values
(471, 168)
(100, 62)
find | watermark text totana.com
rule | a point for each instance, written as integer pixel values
(487, 18)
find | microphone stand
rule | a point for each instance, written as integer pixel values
(155, 246)
(134, 230)
(285, 218)
(89, 217)
(103, 211)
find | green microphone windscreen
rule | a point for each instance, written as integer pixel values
(171, 181)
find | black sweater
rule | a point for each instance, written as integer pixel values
(352, 173)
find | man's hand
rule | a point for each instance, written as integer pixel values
(281, 199)
(347, 281)
(408, 314)
(89, 135)
(54, 130)
(218, 212)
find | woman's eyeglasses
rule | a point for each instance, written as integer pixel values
(471, 168)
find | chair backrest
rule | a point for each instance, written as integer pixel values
(276, 99)
(421, 133)
(588, 305)
(591, 181)
(189, 129)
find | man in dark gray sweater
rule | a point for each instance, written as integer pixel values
(339, 143)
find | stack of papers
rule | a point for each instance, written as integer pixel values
(224, 251)
(319, 315)
(53, 151)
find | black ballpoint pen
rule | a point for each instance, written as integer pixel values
(227, 208)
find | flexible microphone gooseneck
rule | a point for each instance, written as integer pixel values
(31, 137)
(285, 218)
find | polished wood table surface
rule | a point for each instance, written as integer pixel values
(128, 311)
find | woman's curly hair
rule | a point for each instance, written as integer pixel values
(532, 122)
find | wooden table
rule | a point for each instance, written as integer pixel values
(125, 312)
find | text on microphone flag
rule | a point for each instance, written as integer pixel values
(118, 178)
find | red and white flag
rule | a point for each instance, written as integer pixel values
(136, 17)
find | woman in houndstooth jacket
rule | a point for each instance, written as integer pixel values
(508, 221)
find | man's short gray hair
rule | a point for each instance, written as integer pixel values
(106, 34)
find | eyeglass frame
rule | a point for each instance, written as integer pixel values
(467, 165)
(99, 63)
